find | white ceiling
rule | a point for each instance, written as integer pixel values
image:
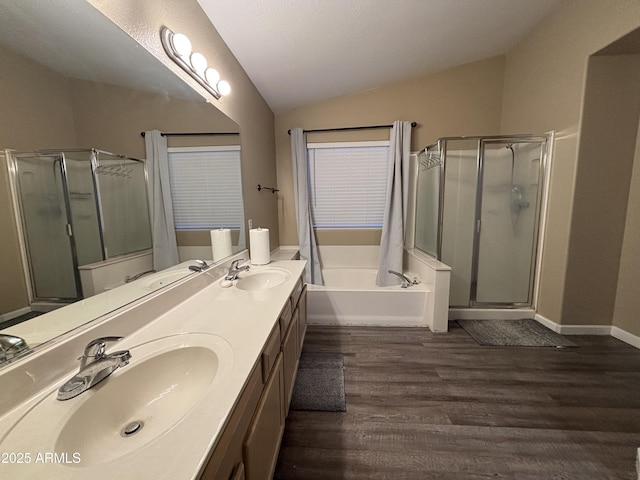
(298, 52)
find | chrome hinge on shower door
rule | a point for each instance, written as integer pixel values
(478, 223)
(69, 230)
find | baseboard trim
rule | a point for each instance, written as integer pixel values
(626, 337)
(16, 313)
(365, 321)
(615, 332)
(573, 329)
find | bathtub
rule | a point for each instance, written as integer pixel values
(350, 296)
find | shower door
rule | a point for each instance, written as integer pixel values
(507, 211)
(46, 223)
(489, 207)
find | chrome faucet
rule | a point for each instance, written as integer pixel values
(406, 281)
(11, 346)
(128, 279)
(95, 366)
(199, 267)
(234, 270)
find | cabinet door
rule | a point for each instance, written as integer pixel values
(262, 444)
(226, 459)
(290, 360)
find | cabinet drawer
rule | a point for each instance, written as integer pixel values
(295, 295)
(285, 318)
(270, 352)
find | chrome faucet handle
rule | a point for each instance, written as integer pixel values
(202, 264)
(234, 264)
(96, 349)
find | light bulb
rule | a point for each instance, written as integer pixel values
(212, 76)
(224, 88)
(198, 62)
(181, 44)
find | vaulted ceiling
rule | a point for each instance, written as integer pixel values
(299, 52)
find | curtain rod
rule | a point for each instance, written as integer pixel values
(342, 129)
(193, 134)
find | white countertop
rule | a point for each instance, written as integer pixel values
(57, 322)
(243, 318)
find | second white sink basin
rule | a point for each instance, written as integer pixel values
(161, 279)
(262, 279)
(132, 409)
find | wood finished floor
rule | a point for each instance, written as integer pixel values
(439, 406)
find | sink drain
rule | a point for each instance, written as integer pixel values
(132, 428)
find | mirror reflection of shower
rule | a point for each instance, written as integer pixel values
(76, 207)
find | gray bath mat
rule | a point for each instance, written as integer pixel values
(514, 333)
(320, 383)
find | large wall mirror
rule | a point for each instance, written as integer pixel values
(73, 80)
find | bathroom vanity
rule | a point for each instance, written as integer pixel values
(204, 396)
(249, 444)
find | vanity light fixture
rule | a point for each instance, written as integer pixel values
(178, 47)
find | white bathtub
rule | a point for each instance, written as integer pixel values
(350, 296)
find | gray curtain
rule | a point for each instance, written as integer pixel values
(165, 248)
(395, 215)
(306, 234)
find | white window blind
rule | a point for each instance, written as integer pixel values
(204, 187)
(348, 183)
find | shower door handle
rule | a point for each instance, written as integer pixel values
(69, 230)
(478, 223)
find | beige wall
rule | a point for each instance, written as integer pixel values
(627, 302)
(111, 118)
(465, 100)
(142, 20)
(605, 161)
(544, 85)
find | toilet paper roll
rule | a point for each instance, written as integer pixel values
(259, 246)
(221, 243)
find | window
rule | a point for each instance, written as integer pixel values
(204, 187)
(348, 184)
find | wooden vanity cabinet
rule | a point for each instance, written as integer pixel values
(249, 445)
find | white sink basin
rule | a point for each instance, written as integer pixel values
(130, 411)
(262, 279)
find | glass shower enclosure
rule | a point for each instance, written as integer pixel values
(477, 210)
(76, 207)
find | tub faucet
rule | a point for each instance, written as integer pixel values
(11, 346)
(128, 279)
(234, 270)
(406, 281)
(95, 366)
(199, 267)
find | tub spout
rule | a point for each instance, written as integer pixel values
(406, 281)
